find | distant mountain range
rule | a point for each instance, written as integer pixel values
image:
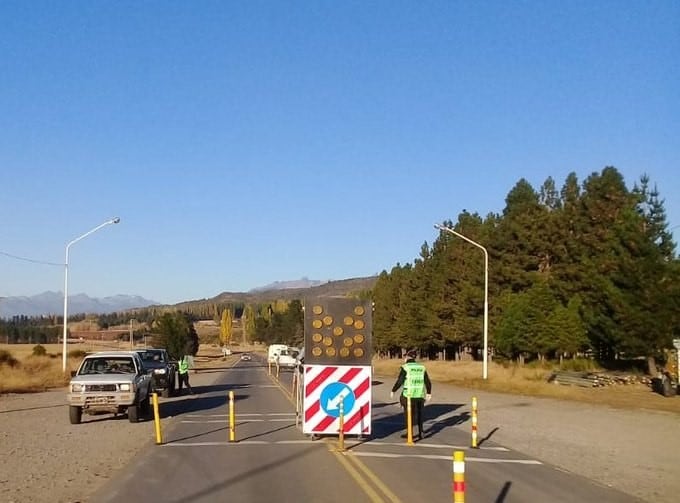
(285, 285)
(275, 291)
(48, 303)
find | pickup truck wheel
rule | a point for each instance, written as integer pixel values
(146, 406)
(133, 413)
(75, 414)
(667, 388)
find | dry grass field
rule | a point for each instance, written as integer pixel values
(534, 382)
(40, 373)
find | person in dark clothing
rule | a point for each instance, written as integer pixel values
(183, 371)
(416, 386)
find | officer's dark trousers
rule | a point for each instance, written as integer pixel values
(417, 405)
(184, 380)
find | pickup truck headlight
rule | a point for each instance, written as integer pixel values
(76, 388)
(159, 371)
(124, 387)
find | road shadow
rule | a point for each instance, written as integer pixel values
(188, 404)
(34, 408)
(439, 413)
(197, 435)
(210, 370)
(212, 388)
(441, 416)
(107, 416)
(504, 492)
(261, 434)
(488, 436)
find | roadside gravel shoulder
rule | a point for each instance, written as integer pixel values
(47, 459)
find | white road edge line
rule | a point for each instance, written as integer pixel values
(447, 458)
(471, 459)
(241, 415)
(242, 442)
(429, 446)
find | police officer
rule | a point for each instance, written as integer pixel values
(417, 386)
(183, 370)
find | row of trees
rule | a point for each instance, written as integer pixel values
(590, 268)
(29, 330)
(175, 332)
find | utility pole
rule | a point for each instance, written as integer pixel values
(132, 342)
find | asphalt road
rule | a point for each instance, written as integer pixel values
(271, 460)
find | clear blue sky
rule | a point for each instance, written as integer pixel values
(246, 142)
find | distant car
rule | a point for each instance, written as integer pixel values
(246, 357)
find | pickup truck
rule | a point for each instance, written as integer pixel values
(157, 363)
(114, 382)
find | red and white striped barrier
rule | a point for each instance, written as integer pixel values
(326, 388)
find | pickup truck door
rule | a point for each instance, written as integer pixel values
(142, 379)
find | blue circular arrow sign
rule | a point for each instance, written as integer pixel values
(333, 395)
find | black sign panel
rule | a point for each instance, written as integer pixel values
(338, 331)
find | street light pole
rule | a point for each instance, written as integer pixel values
(132, 342)
(68, 246)
(485, 365)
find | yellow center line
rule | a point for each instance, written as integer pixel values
(346, 462)
(353, 472)
(375, 479)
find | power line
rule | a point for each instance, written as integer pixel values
(44, 262)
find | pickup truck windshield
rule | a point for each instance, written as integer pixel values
(152, 356)
(119, 365)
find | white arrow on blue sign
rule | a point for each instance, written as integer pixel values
(333, 395)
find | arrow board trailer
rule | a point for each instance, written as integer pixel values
(330, 388)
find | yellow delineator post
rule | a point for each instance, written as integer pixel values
(474, 422)
(458, 477)
(156, 418)
(232, 423)
(409, 422)
(341, 436)
(294, 385)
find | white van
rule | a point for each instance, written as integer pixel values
(281, 354)
(273, 351)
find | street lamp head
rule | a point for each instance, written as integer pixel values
(115, 220)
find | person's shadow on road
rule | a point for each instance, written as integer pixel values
(386, 426)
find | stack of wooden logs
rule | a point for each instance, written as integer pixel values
(596, 379)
